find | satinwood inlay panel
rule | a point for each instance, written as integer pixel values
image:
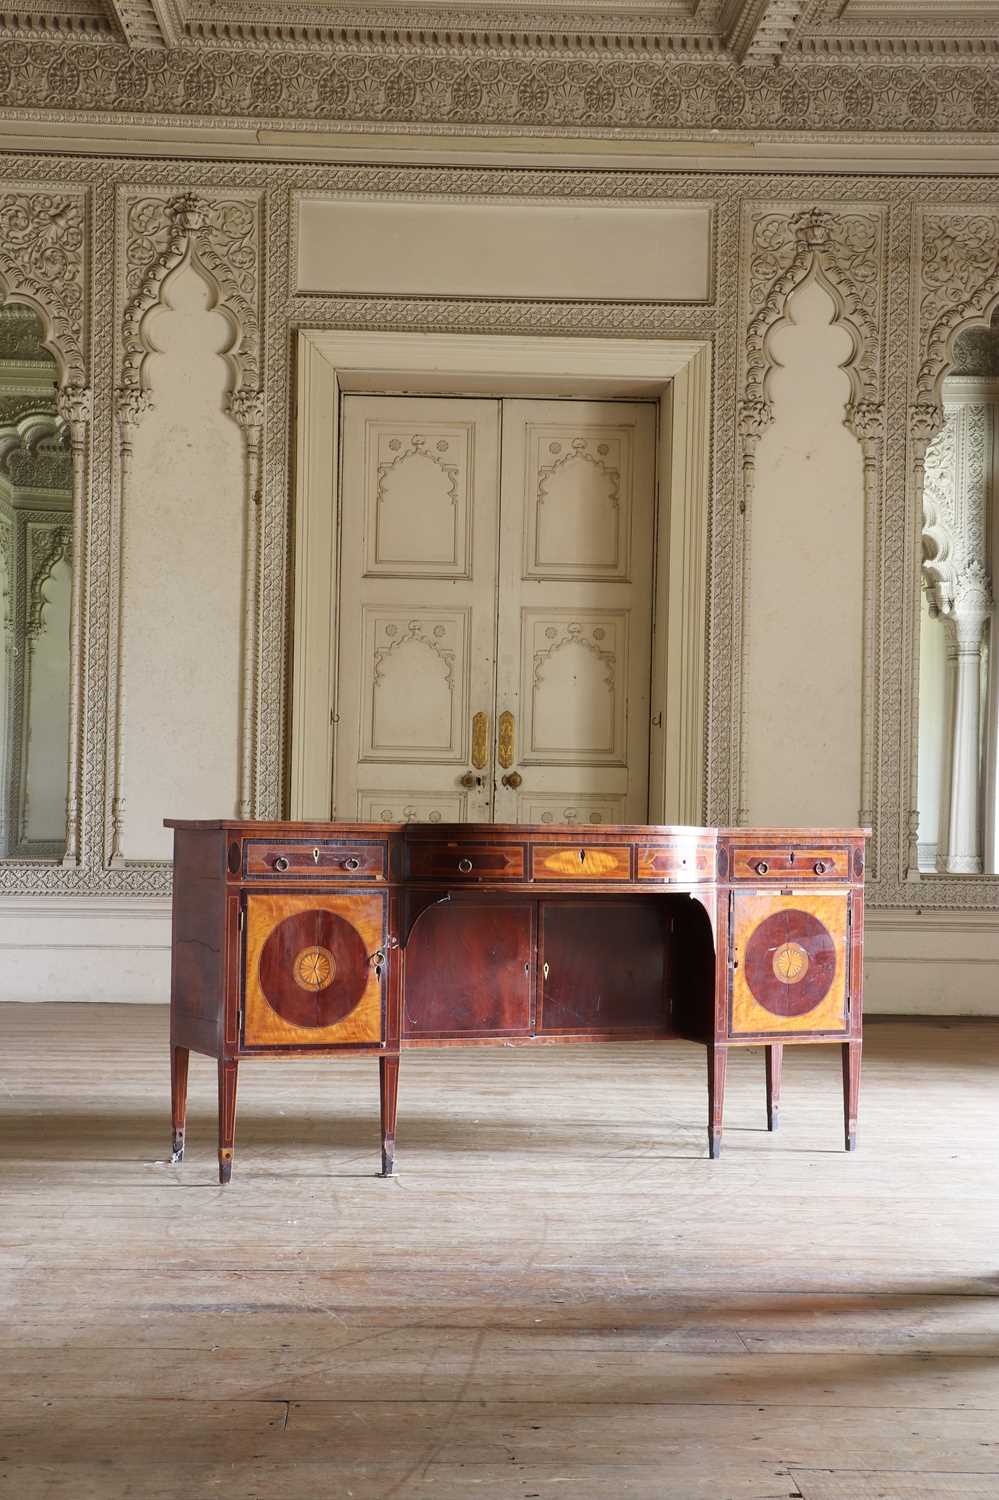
(309, 976)
(789, 973)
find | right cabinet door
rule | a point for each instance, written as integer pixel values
(604, 967)
(789, 963)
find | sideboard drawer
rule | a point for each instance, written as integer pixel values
(581, 861)
(681, 861)
(466, 861)
(295, 859)
(790, 862)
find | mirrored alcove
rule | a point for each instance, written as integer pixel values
(36, 563)
(958, 655)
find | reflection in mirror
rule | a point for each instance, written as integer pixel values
(36, 559)
(958, 655)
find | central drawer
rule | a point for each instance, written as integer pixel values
(581, 861)
(462, 861)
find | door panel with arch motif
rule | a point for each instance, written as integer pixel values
(495, 619)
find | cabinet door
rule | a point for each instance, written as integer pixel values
(789, 963)
(605, 966)
(309, 979)
(469, 970)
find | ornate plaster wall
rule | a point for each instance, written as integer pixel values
(907, 263)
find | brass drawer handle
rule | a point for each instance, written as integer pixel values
(761, 867)
(465, 866)
(281, 863)
(820, 867)
(352, 863)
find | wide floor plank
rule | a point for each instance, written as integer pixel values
(558, 1296)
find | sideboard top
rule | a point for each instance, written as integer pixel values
(437, 831)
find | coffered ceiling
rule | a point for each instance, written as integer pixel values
(740, 31)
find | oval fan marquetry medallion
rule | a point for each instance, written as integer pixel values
(313, 968)
(790, 962)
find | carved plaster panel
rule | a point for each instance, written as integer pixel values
(843, 246)
(158, 231)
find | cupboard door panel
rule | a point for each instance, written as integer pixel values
(605, 966)
(468, 970)
(309, 980)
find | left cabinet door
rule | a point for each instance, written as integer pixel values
(310, 976)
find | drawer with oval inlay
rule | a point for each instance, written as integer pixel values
(581, 861)
(309, 857)
(431, 861)
(790, 862)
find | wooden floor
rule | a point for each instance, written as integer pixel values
(558, 1295)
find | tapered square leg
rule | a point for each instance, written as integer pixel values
(388, 1077)
(717, 1065)
(228, 1067)
(851, 1091)
(774, 1064)
(179, 1059)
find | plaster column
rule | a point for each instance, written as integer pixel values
(968, 615)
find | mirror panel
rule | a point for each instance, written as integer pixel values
(958, 639)
(36, 563)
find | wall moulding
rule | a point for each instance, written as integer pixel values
(158, 232)
(569, 84)
(843, 246)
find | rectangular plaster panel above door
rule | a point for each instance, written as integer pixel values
(635, 252)
(427, 727)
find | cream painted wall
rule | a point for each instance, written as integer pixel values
(183, 571)
(804, 599)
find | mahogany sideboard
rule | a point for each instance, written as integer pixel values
(297, 939)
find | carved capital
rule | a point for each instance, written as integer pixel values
(131, 405)
(246, 407)
(755, 416)
(866, 420)
(971, 603)
(75, 404)
(925, 420)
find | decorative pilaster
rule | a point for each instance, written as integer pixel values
(246, 407)
(866, 420)
(74, 404)
(132, 403)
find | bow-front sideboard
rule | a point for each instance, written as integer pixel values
(295, 939)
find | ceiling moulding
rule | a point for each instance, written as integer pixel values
(600, 90)
(149, 23)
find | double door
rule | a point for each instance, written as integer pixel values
(495, 610)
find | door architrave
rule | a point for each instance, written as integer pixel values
(676, 374)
